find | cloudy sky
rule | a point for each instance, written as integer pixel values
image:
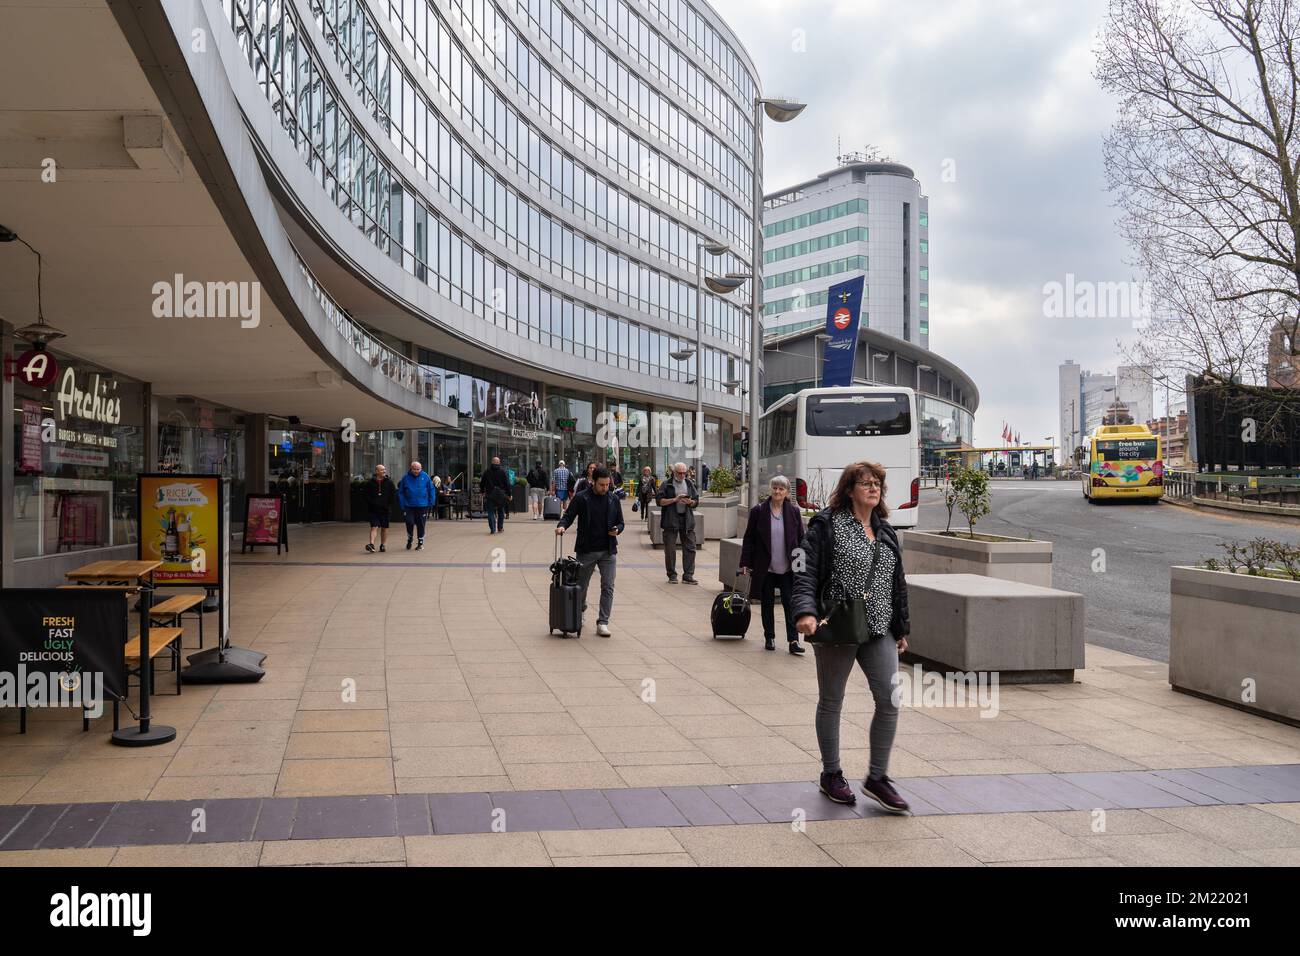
(1004, 90)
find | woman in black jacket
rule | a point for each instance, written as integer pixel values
(381, 495)
(768, 558)
(851, 552)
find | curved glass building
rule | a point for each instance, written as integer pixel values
(425, 230)
(515, 194)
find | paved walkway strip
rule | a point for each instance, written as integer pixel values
(168, 822)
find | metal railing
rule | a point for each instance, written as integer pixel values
(1276, 490)
(408, 374)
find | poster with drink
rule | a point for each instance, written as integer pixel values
(180, 525)
(264, 522)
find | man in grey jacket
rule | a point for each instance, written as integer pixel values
(678, 499)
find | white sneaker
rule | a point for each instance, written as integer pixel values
(602, 630)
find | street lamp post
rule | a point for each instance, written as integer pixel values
(721, 285)
(782, 111)
(741, 391)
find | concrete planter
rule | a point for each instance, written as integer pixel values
(932, 552)
(723, 515)
(657, 533)
(972, 622)
(1235, 639)
(729, 563)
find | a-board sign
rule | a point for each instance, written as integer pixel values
(264, 522)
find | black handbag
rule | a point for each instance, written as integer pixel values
(846, 622)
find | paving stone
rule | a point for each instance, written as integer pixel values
(320, 818)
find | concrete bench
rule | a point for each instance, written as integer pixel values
(968, 622)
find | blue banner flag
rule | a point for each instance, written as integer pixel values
(843, 306)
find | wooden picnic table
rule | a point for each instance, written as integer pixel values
(128, 574)
(113, 572)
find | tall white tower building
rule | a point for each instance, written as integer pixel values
(863, 217)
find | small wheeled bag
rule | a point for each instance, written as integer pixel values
(730, 614)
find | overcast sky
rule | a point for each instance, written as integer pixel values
(1003, 89)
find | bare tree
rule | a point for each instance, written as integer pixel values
(1203, 160)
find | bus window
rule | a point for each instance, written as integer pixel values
(777, 432)
(858, 415)
(1127, 449)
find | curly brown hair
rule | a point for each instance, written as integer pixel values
(842, 496)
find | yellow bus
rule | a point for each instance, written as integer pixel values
(1124, 461)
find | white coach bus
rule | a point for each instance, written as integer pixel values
(811, 435)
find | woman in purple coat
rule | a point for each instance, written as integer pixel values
(773, 533)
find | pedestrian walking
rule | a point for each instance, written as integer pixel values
(495, 485)
(773, 533)
(850, 601)
(615, 476)
(646, 487)
(560, 479)
(678, 500)
(538, 481)
(417, 495)
(704, 475)
(600, 522)
(585, 481)
(380, 495)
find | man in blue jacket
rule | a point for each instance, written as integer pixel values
(600, 522)
(417, 496)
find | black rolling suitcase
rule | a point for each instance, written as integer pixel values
(730, 614)
(566, 593)
(552, 510)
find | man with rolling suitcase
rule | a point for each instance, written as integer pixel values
(600, 522)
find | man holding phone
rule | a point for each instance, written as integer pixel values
(600, 522)
(678, 499)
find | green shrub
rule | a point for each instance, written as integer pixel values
(722, 481)
(971, 486)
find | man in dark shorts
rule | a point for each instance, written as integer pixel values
(381, 494)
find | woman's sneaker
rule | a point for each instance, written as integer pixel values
(837, 788)
(883, 792)
(370, 548)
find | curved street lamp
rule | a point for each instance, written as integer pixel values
(780, 110)
(719, 285)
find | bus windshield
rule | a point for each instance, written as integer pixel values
(846, 416)
(1127, 449)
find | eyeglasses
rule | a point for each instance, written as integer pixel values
(868, 484)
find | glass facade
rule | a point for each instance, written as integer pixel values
(793, 302)
(427, 118)
(818, 271)
(847, 208)
(816, 244)
(300, 464)
(199, 439)
(78, 447)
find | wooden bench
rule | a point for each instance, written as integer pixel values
(160, 639)
(172, 610)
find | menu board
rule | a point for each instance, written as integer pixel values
(181, 526)
(264, 521)
(30, 460)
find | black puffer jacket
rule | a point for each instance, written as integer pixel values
(818, 547)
